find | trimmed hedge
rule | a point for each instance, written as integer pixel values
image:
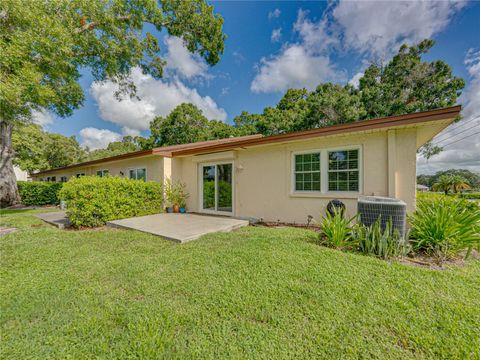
(39, 193)
(92, 201)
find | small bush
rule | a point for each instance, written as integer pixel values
(470, 196)
(92, 201)
(444, 226)
(371, 240)
(336, 231)
(39, 193)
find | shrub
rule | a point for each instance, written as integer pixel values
(92, 201)
(336, 231)
(471, 196)
(443, 226)
(176, 193)
(371, 240)
(39, 193)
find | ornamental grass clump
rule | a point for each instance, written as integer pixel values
(336, 230)
(445, 226)
(383, 243)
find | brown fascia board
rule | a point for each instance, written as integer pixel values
(379, 123)
(257, 139)
(98, 161)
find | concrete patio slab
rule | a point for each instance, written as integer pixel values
(55, 218)
(180, 227)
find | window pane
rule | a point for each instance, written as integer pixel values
(142, 174)
(224, 186)
(307, 172)
(316, 186)
(132, 174)
(299, 186)
(209, 187)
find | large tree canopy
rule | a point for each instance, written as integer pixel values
(46, 43)
(404, 85)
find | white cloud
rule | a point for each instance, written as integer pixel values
(94, 138)
(42, 117)
(465, 152)
(276, 35)
(355, 80)
(294, 67)
(158, 97)
(371, 28)
(380, 27)
(274, 14)
(182, 61)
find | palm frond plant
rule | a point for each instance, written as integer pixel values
(336, 230)
(444, 183)
(459, 183)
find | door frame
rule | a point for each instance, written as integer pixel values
(200, 187)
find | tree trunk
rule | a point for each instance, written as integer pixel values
(8, 182)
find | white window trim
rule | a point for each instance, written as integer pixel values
(324, 192)
(138, 168)
(103, 172)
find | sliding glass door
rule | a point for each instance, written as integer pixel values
(216, 186)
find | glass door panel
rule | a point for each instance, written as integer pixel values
(208, 182)
(224, 187)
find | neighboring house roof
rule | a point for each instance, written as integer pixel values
(253, 140)
(422, 187)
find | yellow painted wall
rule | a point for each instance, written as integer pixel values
(153, 164)
(263, 176)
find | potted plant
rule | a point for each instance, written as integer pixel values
(176, 196)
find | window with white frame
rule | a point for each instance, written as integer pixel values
(343, 170)
(63, 179)
(138, 174)
(327, 170)
(102, 173)
(307, 172)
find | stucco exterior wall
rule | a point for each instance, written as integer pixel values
(263, 176)
(153, 164)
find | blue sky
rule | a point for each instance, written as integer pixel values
(272, 46)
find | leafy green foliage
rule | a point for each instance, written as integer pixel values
(187, 124)
(92, 201)
(176, 193)
(127, 145)
(336, 230)
(224, 194)
(472, 178)
(443, 226)
(275, 295)
(36, 149)
(45, 43)
(446, 183)
(404, 85)
(39, 193)
(383, 243)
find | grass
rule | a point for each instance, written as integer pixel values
(254, 293)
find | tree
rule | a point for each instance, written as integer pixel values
(459, 183)
(45, 43)
(128, 144)
(444, 183)
(36, 149)
(185, 124)
(472, 178)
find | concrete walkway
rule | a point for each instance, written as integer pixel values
(179, 227)
(55, 218)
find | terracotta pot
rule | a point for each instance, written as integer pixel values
(176, 208)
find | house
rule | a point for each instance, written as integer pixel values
(289, 176)
(422, 188)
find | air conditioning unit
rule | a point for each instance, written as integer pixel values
(371, 208)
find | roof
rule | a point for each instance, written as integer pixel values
(258, 139)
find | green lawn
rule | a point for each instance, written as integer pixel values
(254, 293)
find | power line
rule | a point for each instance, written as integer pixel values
(463, 138)
(452, 136)
(458, 127)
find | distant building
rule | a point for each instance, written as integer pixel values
(422, 188)
(20, 174)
